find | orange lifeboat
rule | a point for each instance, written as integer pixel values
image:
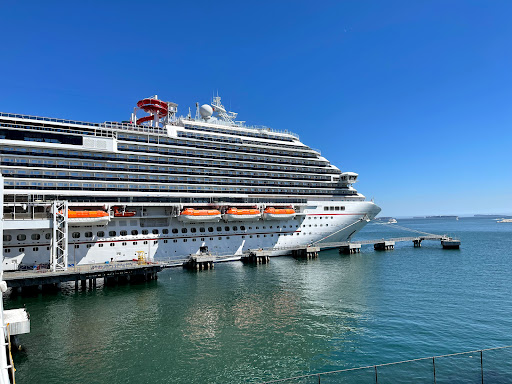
(86, 214)
(271, 213)
(77, 218)
(242, 214)
(189, 215)
(123, 213)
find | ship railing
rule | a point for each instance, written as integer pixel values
(53, 120)
(463, 367)
(133, 127)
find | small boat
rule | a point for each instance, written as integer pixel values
(242, 214)
(505, 221)
(77, 218)
(189, 215)
(123, 212)
(271, 213)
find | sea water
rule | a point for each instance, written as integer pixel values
(240, 323)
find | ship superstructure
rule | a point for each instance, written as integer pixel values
(166, 185)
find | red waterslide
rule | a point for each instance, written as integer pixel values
(153, 106)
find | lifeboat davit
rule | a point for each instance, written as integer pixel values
(77, 218)
(123, 213)
(242, 214)
(191, 215)
(272, 213)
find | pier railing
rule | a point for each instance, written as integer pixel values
(491, 365)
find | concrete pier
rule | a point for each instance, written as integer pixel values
(385, 245)
(256, 257)
(111, 273)
(350, 248)
(199, 262)
(310, 252)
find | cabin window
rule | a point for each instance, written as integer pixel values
(48, 236)
(35, 236)
(337, 208)
(165, 231)
(7, 250)
(242, 228)
(100, 245)
(35, 249)
(326, 208)
(88, 234)
(184, 230)
(219, 229)
(7, 237)
(134, 243)
(226, 228)
(123, 244)
(100, 234)
(77, 246)
(21, 237)
(112, 233)
(146, 242)
(174, 230)
(145, 231)
(135, 232)
(155, 232)
(210, 229)
(123, 233)
(235, 228)
(112, 244)
(75, 235)
(202, 229)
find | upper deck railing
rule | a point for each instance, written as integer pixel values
(141, 128)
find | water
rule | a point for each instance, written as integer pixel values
(253, 323)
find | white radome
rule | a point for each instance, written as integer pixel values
(206, 111)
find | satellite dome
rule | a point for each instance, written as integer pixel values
(206, 111)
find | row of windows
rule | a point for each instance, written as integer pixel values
(135, 232)
(225, 139)
(225, 153)
(337, 208)
(238, 133)
(199, 149)
(142, 178)
(144, 167)
(38, 185)
(251, 165)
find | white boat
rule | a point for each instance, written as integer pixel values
(191, 215)
(505, 221)
(242, 214)
(150, 170)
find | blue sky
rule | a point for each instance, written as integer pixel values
(415, 96)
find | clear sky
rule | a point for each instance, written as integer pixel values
(415, 96)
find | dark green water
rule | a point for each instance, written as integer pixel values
(255, 323)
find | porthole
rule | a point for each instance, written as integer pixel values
(134, 232)
(112, 233)
(100, 234)
(145, 231)
(88, 234)
(75, 235)
(174, 230)
(123, 233)
(165, 231)
(7, 237)
(21, 237)
(155, 231)
(35, 236)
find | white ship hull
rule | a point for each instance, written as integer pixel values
(177, 239)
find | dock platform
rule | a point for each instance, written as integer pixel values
(111, 273)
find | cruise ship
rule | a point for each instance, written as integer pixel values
(164, 186)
